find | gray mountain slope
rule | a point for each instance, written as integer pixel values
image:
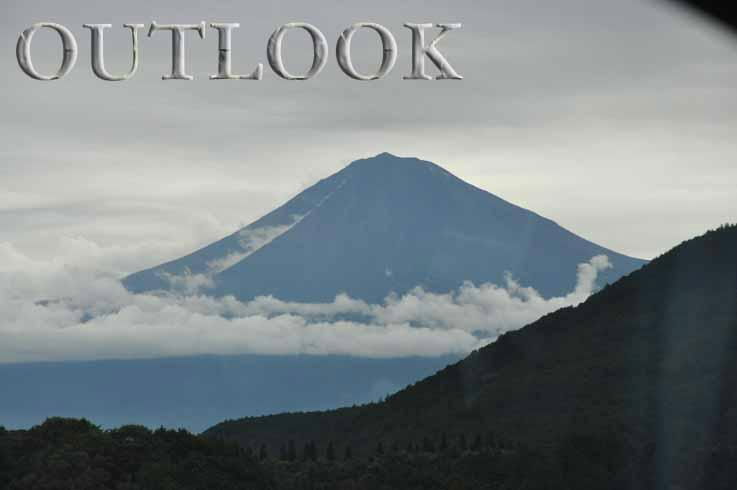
(388, 224)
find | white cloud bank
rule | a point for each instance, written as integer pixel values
(56, 310)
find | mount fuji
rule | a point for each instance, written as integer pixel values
(381, 225)
(385, 225)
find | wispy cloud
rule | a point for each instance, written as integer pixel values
(250, 240)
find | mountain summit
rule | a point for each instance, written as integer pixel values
(385, 224)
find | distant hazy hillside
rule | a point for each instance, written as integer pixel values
(635, 388)
(196, 392)
(385, 224)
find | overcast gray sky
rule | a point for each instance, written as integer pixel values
(614, 118)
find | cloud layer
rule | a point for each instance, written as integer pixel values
(61, 310)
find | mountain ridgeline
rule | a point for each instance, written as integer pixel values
(632, 389)
(386, 224)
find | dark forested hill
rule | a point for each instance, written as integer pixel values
(636, 387)
(73, 454)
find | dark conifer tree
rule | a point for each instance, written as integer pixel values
(491, 440)
(380, 449)
(306, 452)
(476, 446)
(291, 451)
(427, 445)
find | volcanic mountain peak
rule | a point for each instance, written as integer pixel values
(386, 213)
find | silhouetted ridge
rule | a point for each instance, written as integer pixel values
(645, 370)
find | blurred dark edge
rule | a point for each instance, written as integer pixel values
(724, 11)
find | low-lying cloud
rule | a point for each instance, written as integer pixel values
(51, 310)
